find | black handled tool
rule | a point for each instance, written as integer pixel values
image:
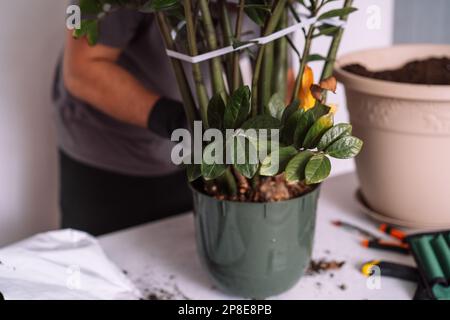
(386, 245)
(391, 269)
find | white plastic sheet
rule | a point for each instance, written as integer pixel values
(63, 264)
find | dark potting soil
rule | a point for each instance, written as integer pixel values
(429, 71)
(267, 189)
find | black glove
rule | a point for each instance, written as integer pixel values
(166, 116)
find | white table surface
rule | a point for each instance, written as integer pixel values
(162, 255)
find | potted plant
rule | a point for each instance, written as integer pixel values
(399, 103)
(255, 219)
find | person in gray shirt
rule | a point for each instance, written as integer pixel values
(116, 106)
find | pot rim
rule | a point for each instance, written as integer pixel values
(314, 188)
(389, 88)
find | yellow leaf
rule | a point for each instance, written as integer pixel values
(329, 84)
(305, 96)
(333, 108)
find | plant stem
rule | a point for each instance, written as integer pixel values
(229, 181)
(332, 52)
(255, 80)
(216, 64)
(303, 62)
(266, 74)
(237, 35)
(280, 68)
(202, 94)
(227, 41)
(183, 84)
(272, 23)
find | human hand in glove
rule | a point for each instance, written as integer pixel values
(166, 116)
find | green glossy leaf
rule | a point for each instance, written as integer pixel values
(90, 7)
(338, 131)
(239, 43)
(193, 171)
(337, 13)
(276, 106)
(317, 169)
(78, 33)
(88, 29)
(326, 30)
(317, 130)
(210, 168)
(345, 148)
(288, 131)
(245, 157)
(316, 57)
(257, 11)
(262, 121)
(271, 168)
(265, 142)
(289, 110)
(158, 5)
(216, 111)
(307, 121)
(238, 108)
(295, 169)
(92, 32)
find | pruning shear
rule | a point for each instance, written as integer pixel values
(373, 241)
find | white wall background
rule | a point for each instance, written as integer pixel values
(30, 41)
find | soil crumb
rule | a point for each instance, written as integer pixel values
(342, 287)
(267, 189)
(155, 286)
(163, 294)
(322, 265)
(429, 71)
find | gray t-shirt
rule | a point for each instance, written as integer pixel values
(97, 139)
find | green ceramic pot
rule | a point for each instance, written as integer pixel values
(255, 250)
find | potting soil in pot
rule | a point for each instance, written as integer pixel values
(432, 71)
(267, 189)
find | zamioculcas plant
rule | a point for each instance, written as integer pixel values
(247, 166)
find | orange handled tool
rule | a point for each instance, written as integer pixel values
(386, 245)
(393, 232)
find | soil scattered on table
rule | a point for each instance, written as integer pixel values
(342, 287)
(163, 288)
(429, 71)
(163, 294)
(323, 265)
(267, 189)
